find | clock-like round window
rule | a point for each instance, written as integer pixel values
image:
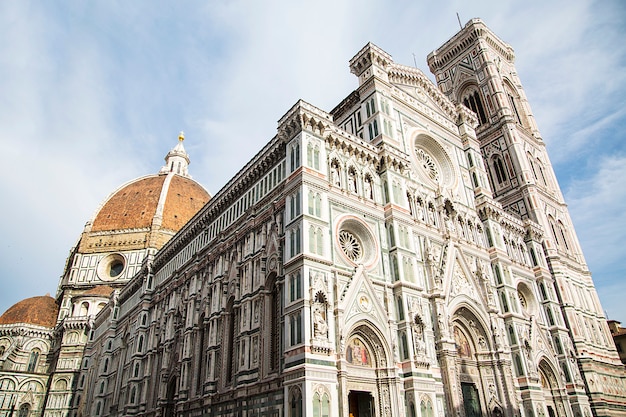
(350, 245)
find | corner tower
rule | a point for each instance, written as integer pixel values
(476, 68)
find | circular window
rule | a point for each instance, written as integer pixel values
(350, 245)
(428, 164)
(431, 159)
(111, 267)
(356, 242)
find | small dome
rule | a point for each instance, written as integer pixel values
(41, 311)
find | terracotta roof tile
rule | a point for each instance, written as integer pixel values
(41, 311)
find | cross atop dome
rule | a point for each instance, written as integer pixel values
(177, 160)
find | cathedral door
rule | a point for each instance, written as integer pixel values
(471, 401)
(361, 404)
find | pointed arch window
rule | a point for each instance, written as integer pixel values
(498, 167)
(321, 405)
(295, 156)
(33, 360)
(426, 408)
(473, 101)
(24, 410)
(313, 155)
(295, 402)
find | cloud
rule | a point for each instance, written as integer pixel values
(598, 210)
(94, 94)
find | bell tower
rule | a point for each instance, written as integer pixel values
(477, 69)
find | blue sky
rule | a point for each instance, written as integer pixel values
(93, 94)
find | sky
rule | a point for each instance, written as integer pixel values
(94, 94)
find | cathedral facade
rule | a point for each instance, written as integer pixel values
(408, 253)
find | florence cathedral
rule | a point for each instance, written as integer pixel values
(408, 253)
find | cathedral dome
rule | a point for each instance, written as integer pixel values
(168, 200)
(41, 311)
(147, 211)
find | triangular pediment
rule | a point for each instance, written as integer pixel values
(462, 73)
(416, 84)
(362, 301)
(460, 280)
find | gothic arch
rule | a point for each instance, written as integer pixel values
(469, 94)
(372, 339)
(366, 382)
(514, 100)
(467, 318)
(551, 388)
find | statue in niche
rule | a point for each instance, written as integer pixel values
(368, 188)
(320, 327)
(418, 337)
(357, 354)
(334, 174)
(352, 181)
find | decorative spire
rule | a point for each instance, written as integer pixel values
(177, 160)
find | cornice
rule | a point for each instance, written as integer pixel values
(467, 37)
(405, 75)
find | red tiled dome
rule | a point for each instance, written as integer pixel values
(41, 311)
(135, 205)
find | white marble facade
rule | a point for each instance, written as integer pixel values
(408, 253)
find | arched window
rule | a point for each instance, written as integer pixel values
(563, 234)
(498, 167)
(519, 369)
(24, 410)
(505, 304)
(426, 408)
(133, 392)
(136, 371)
(295, 402)
(404, 346)
(140, 344)
(33, 360)
(84, 309)
(105, 368)
(473, 102)
(321, 405)
(517, 111)
(319, 242)
(313, 155)
(60, 385)
(512, 338)
(295, 156)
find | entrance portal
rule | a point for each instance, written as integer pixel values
(361, 404)
(471, 402)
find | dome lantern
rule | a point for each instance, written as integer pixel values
(177, 160)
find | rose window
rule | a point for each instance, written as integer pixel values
(350, 245)
(428, 164)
